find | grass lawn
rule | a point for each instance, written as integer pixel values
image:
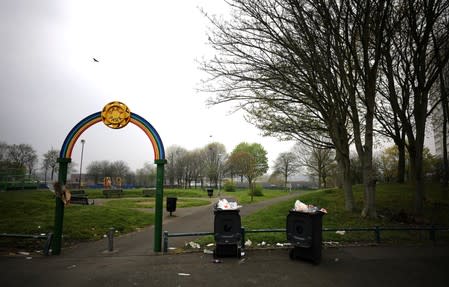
(243, 198)
(32, 212)
(394, 205)
(150, 203)
(137, 192)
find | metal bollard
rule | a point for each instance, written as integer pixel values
(165, 249)
(111, 239)
(377, 234)
(48, 244)
(242, 231)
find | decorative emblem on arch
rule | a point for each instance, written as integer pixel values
(116, 115)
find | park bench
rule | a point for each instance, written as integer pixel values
(149, 192)
(76, 192)
(112, 192)
(79, 196)
(81, 199)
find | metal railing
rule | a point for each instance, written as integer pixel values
(376, 231)
(48, 237)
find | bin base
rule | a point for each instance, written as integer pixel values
(308, 254)
(227, 250)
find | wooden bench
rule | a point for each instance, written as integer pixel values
(76, 192)
(80, 199)
(149, 192)
(112, 192)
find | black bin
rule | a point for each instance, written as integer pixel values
(171, 204)
(304, 232)
(227, 233)
(210, 192)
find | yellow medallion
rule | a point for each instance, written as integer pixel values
(116, 115)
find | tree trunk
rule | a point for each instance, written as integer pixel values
(345, 172)
(419, 182)
(369, 204)
(285, 181)
(401, 162)
(415, 150)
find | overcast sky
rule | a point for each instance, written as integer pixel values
(147, 52)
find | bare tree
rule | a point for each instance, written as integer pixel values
(319, 162)
(417, 63)
(99, 169)
(50, 161)
(214, 156)
(175, 167)
(304, 69)
(286, 164)
(146, 176)
(22, 156)
(119, 169)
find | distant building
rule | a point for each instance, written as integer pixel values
(437, 121)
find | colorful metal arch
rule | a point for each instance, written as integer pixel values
(65, 158)
(84, 124)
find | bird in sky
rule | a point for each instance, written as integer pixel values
(95, 60)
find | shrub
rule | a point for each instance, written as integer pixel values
(256, 191)
(229, 186)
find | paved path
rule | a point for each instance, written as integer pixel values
(348, 267)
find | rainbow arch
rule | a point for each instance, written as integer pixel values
(87, 122)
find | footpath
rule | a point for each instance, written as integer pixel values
(133, 263)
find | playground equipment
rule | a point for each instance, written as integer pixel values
(107, 183)
(115, 115)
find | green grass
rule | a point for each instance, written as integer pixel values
(390, 200)
(32, 212)
(242, 195)
(137, 192)
(150, 203)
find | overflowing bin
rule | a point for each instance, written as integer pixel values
(304, 232)
(227, 233)
(171, 204)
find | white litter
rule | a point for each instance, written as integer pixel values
(207, 251)
(279, 244)
(309, 208)
(263, 243)
(224, 204)
(23, 253)
(183, 274)
(193, 245)
(340, 232)
(248, 243)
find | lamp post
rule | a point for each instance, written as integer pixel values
(81, 162)
(218, 172)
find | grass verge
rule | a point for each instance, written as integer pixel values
(394, 205)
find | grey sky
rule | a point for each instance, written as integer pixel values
(146, 52)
